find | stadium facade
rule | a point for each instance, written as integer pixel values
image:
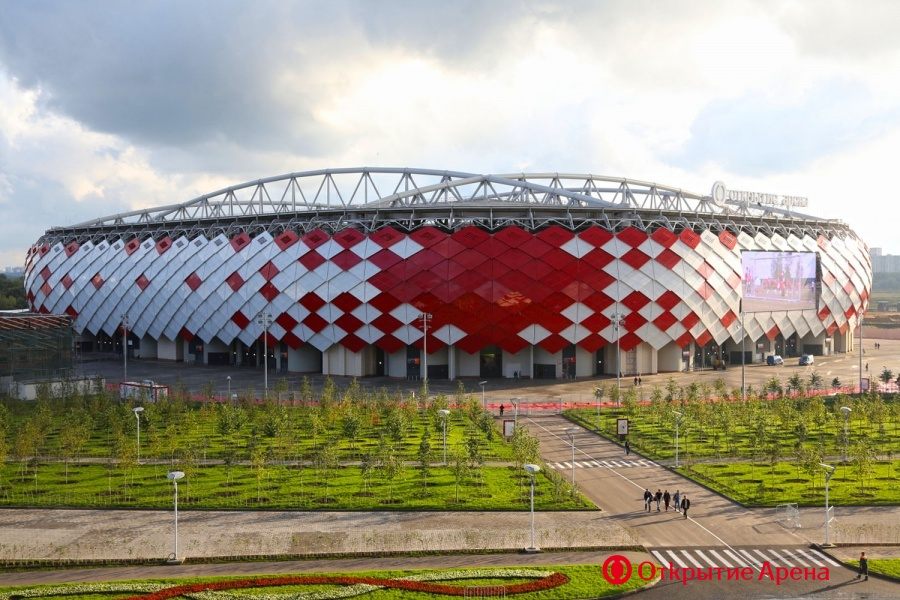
(532, 275)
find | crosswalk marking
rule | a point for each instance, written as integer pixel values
(741, 557)
(722, 560)
(609, 464)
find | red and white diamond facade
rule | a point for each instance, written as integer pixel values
(521, 274)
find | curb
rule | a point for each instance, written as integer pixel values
(847, 565)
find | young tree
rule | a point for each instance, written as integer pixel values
(258, 463)
(326, 462)
(424, 456)
(72, 439)
(390, 463)
(351, 426)
(459, 466)
(366, 466)
(886, 375)
(836, 382)
(816, 382)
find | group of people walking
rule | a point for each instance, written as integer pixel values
(681, 501)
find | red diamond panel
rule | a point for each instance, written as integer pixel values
(287, 239)
(346, 259)
(390, 344)
(70, 310)
(668, 299)
(471, 236)
(558, 259)
(423, 261)
(469, 258)
(448, 247)
(704, 338)
(186, 334)
(664, 237)
(471, 343)
(46, 289)
(512, 344)
(634, 321)
(690, 238)
(684, 340)
(635, 301)
(427, 303)
(665, 320)
(427, 236)
(728, 240)
(690, 320)
(596, 236)
(346, 302)
(705, 270)
(240, 319)
(553, 343)
(386, 237)
(596, 323)
(72, 249)
(286, 321)
(629, 342)
(535, 247)
(824, 313)
(348, 323)
(238, 242)
(131, 246)
(515, 259)
(734, 280)
(635, 258)
(142, 281)
(597, 301)
(269, 291)
(312, 302)
(46, 273)
(291, 340)
(352, 343)
(556, 280)
(193, 281)
(831, 328)
(235, 281)
(705, 290)
(311, 260)
(67, 281)
(772, 333)
(513, 236)
(632, 236)
(387, 323)
(434, 344)
(597, 258)
(728, 318)
(315, 322)
(555, 235)
(269, 271)
(97, 280)
(348, 237)
(384, 259)
(668, 259)
(592, 343)
(385, 303)
(163, 245)
(315, 238)
(557, 301)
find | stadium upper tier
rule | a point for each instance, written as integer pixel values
(536, 274)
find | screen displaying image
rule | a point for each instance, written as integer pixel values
(779, 281)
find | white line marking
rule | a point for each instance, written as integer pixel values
(596, 464)
(738, 560)
(765, 558)
(688, 556)
(720, 559)
(812, 558)
(781, 558)
(751, 558)
(675, 559)
(706, 558)
(660, 558)
(566, 465)
(824, 557)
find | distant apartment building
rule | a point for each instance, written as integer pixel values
(13, 271)
(884, 263)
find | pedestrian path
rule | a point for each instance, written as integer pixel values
(609, 464)
(731, 557)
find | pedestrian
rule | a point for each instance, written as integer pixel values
(639, 380)
(685, 505)
(635, 381)
(867, 367)
(677, 499)
(502, 408)
(627, 448)
(658, 498)
(648, 497)
(863, 566)
(667, 497)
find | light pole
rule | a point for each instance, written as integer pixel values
(229, 387)
(570, 431)
(265, 319)
(532, 470)
(124, 346)
(425, 318)
(743, 354)
(861, 316)
(515, 403)
(174, 476)
(846, 410)
(617, 323)
(678, 416)
(137, 415)
(483, 403)
(829, 471)
(444, 414)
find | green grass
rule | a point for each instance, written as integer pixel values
(497, 488)
(883, 566)
(758, 484)
(585, 582)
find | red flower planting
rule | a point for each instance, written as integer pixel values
(546, 583)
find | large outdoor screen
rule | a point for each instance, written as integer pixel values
(779, 280)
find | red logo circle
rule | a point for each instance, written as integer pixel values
(617, 569)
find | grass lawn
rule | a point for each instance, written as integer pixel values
(278, 487)
(883, 566)
(585, 581)
(759, 484)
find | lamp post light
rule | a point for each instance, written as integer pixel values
(515, 403)
(829, 471)
(137, 415)
(483, 403)
(124, 346)
(444, 414)
(532, 470)
(174, 476)
(425, 318)
(229, 387)
(846, 410)
(618, 321)
(678, 416)
(265, 319)
(861, 317)
(570, 431)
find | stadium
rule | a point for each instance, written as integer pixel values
(380, 271)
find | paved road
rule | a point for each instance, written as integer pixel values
(717, 533)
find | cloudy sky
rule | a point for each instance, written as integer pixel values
(110, 106)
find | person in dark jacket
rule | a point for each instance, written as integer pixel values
(685, 505)
(677, 499)
(502, 408)
(863, 566)
(658, 498)
(666, 499)
(627, 448)
(648, 498)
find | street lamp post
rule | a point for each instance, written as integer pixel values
(265, 319)
(861, 317)
(532, 470)
(229, 387)
(174, 476)
(137, 415)
(829, 471)
(515, 403)
(678, 416)
(124, 346)
(846, 410)
(570, 431)
(483, 403)
(425, 318)
(444, 414)
(617, 323)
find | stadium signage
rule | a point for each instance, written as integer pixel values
(720, 194)
(617, 570)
